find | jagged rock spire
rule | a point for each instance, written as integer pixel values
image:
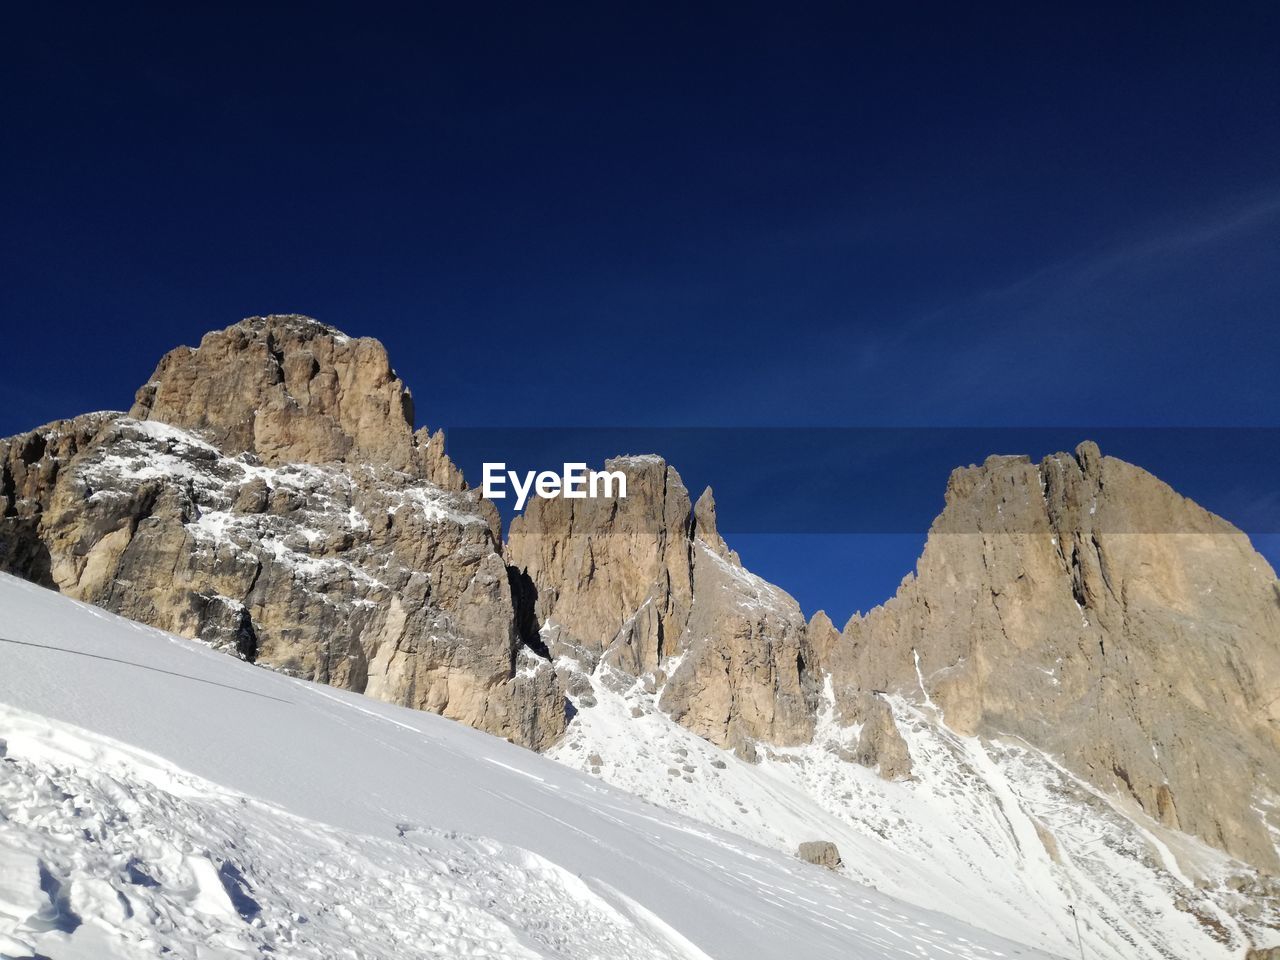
(1083, 605)
(291, 389)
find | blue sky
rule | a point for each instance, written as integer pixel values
(734, 216)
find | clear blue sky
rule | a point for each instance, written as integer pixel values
(733, 216)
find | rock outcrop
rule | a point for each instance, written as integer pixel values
(267, 494)
(822, 853)
(1084, 606)
(614, 577)
(647, 586)
(1078, 604)
(287, 389)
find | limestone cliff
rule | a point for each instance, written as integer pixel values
(647, 585)
(267, 494)
(1084, 606)
(1079, 604)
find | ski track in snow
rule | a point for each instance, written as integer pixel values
(160, 799)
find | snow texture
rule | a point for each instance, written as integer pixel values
(158, 798)
(996, 833)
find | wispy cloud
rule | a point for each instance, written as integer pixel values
(1188, 233)
(1007, 353)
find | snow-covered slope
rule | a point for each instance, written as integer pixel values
(160, 798)
(994, 832)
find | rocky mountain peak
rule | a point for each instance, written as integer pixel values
(267, 494)
(1081, 604)
(706, 531)
(288, 389)
(648, 586)
(613, 575)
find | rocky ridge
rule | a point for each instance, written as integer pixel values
(267, 493)
(1082, 605)
(647, 587)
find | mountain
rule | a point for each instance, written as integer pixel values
(1082, 605)
(267, 493)
(646, 585)
(1080, 653)
(1070, 710)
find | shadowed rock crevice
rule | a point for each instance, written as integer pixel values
(7, 493)
(238, 891)
(524, 605)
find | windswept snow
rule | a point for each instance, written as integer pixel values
(750, 592)
(160, 798)
(163, 431)
(996, 833)
(435, 506)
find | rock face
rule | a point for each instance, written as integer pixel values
(744, 669)
(614, 576)
(648, 586)
(1084, 606)
(1078, 604)
(267, 494)
(287, 389)
(880, 742)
